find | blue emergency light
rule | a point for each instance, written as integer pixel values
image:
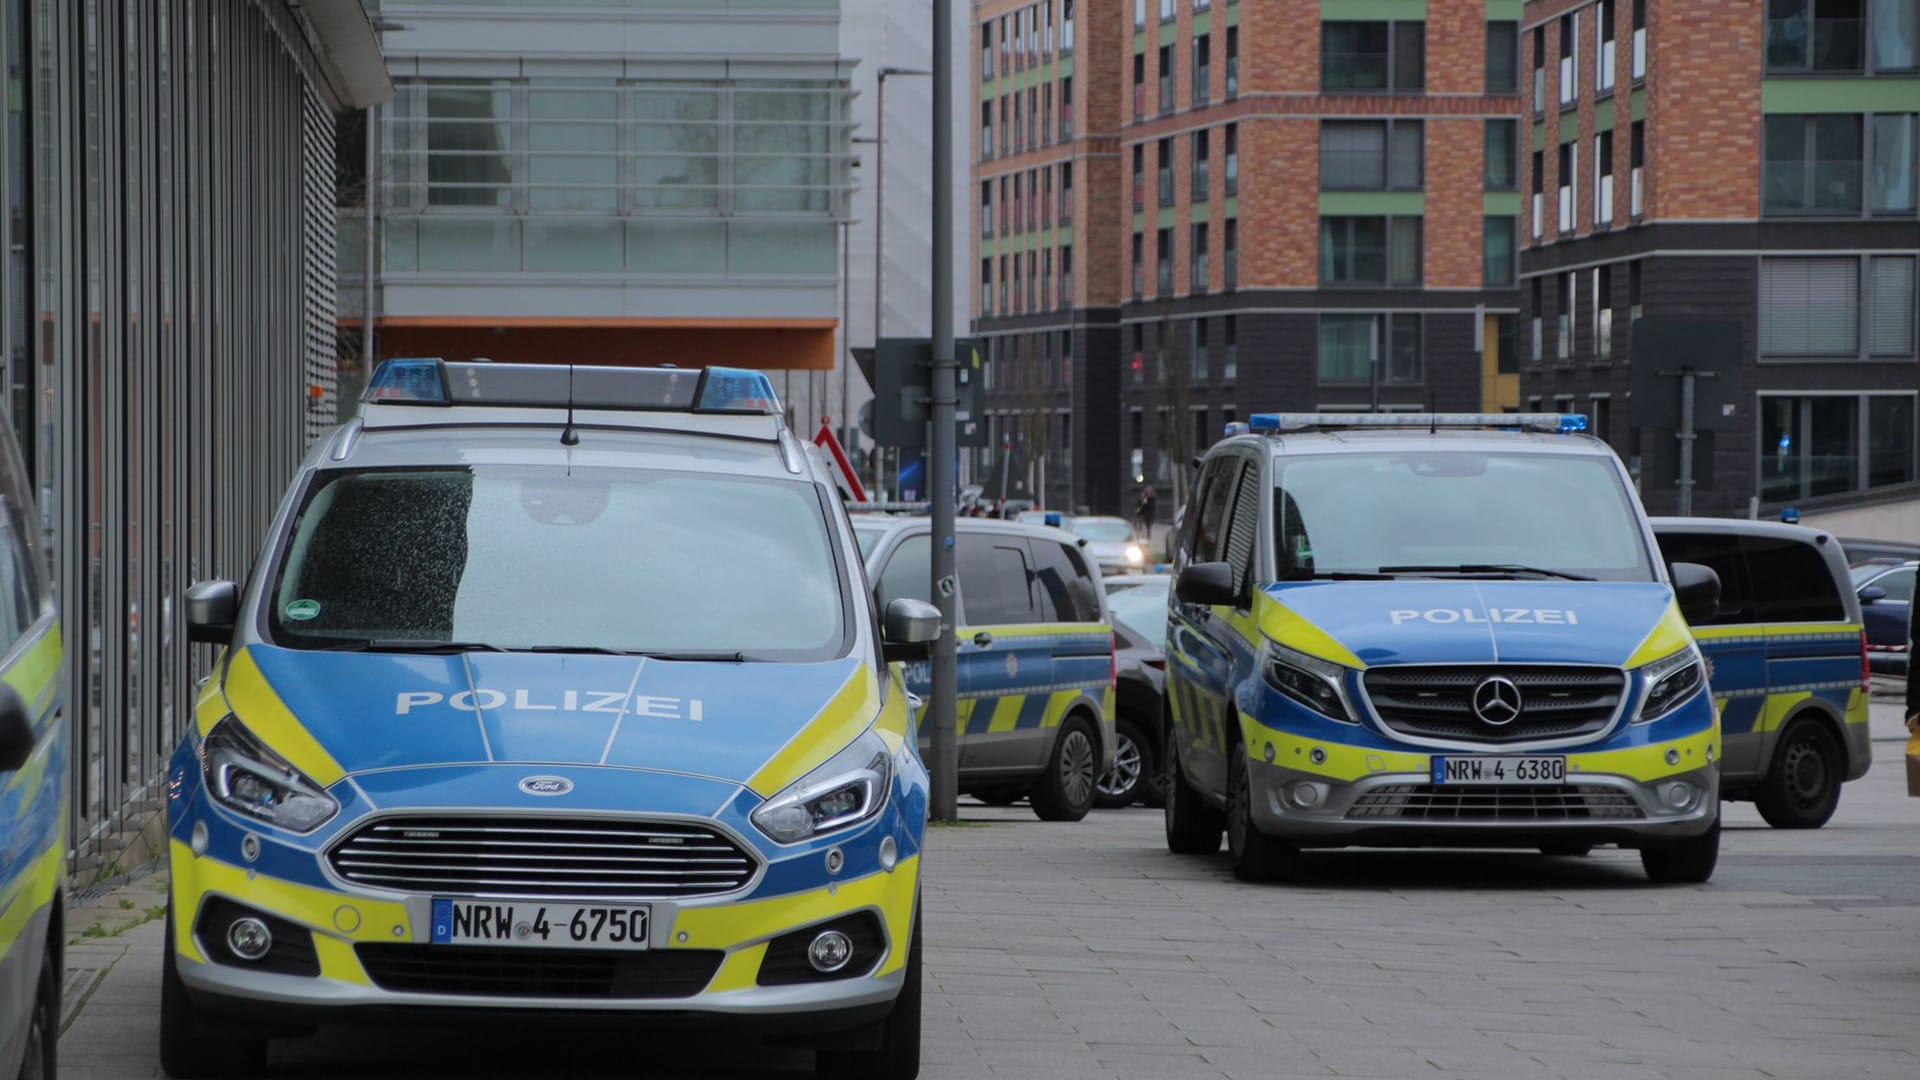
(1551, 423)
(429, 381)
(409, 381)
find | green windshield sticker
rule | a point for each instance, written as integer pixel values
(302, 610)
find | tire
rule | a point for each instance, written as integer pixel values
(898, 1057)
(1064, 792)
(41, 1060)
(1134, 767)
(1004, 795)
(1568, 850)
(1255, 855)
(1689, 862)
(1802, 787)
(184, 1050)
(1193, 827)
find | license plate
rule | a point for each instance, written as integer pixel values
(540, 926)
(1499, 770)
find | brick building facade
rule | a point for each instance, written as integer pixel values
(1751, 161)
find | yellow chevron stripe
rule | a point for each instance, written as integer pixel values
(1668, 636)
(846, 715)
(1006, 713)
(1289, 628)
(256, 705)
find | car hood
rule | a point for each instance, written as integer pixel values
(1475, 622)
(751, 724)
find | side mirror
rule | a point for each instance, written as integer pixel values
(909, 629)
(212, 607)
(1207, 585)
(1872, 593)
(1696, 589)
(16, 730)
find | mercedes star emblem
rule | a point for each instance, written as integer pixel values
(1496, 701)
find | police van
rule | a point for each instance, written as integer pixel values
(33, 786)
(1450, 630)
(556, 692)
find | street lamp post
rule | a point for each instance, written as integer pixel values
(879, 225)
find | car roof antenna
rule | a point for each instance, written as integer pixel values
(568, 436)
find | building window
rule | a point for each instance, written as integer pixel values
(1498, 258)
(1602, 314)
(1637, 160)
(1139, 177)
(1539, 190)
(986, 51)
(1370, 251)
(1066, 108)
(1351, 347)
(1563, 323)
(986, 131)
(1639, 40)
(1603, 61)
(1841, 35)
(1139, 85)
(1200, 180)
(1066, 277)
(1001, 306)
(1537, 338)
(1139, 266)
(1138, 366)
(1890, 174)
(1636, 273)
(1569, 162)
(1812, 307)
(1502, 166)
(986, 286)
(1373, 56)
(1371, 155)
(1569, 58)
(1163, 262)
(1202, 68)
(1812, 165)
(1066, 193)
(1507, 360)
(1233, 159)
(1201, 369)
(1163, 170)
(1812, 445)
(1168, 9)
(1197, 264)
(1230, 255)
(986, 209)
(1603, 178)
(1503, 57)
(1166, 80)
(1139, 14)
(1233, 62)
(1539, 69)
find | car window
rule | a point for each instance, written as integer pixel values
(1791, 581)
(1142, 610)
(909, 572)
(16, 588)
(1223, 477)
(1243, 529)
(1721, 553)
(1066, 589)
(995, 580)
(518, 557)
(1898, 584)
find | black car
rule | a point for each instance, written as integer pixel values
(1886, 599)
(1139, 608)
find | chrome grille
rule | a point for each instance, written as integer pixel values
(1437, 702)
(541, 857)
(1484, 803)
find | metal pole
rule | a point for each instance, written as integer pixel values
(879, 235)
(1373, 366)
(940, 486)
(845, 359)
(1685, 508)
(366, 288)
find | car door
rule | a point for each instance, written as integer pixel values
(1200, 657)
(1079, 639)
(1813, 648)
(1731, 641)
(1005, 661)
(1887, 617)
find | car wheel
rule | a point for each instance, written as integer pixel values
(1802, 788)
(1255, 855)
(898, 1057)
(1193, 827)
(1689, 862)
(184, 1050)
(43, 1027)
(1064, 792)
(1133, 767)
(1004, 795)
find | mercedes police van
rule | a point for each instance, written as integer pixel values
(556, 693)
(1433, 631)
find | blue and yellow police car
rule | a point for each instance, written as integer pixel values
(1450, 630)
(33, 786)
(557, 692)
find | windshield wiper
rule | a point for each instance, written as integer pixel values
(596, 650)
(1337, 575)
(604, 650)
(412, 645)
(1485, 568)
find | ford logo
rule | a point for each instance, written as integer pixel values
(546, 785)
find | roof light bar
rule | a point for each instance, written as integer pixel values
(427, 381)
(1552, 423)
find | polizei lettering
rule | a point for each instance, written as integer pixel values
(1504, 616)
(604, 702)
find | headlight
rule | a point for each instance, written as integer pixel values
(1135, 555)
(1671, 681)
(847, 790)
(1318, 684)
(244, 776)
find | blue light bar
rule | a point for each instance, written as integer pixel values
(1238, 429)
(1552, 423)
(736, 390)
(558, 386)
(410, 381)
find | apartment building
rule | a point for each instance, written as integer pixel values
(1310, 204)
(1742, 160)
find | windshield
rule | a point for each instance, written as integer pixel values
(1106, 530)
(1142, 609)
(1357, 513)
(590, 559)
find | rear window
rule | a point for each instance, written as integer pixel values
(1067, 592)
(995, 580)
(1791, 582)
(1719, 552)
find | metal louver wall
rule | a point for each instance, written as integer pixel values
(317, 234)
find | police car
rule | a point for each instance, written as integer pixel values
(556, 692)
(1434, 631)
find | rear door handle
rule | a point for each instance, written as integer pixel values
(983, 639)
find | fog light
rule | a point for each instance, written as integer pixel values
(1678, 796)
(828, 953)
(249, 938)
(1305, 795)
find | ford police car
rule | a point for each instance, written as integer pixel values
(1433, 631)
(556, 692)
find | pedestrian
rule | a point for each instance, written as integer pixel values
(1143, 511)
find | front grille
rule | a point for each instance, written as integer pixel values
(1437, 702)
(537, 857)
(541, 973)
(1485, 803)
